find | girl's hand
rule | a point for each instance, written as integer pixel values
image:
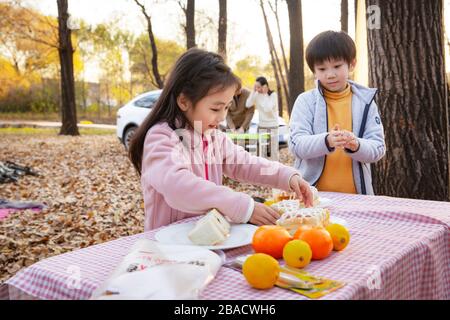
(263, 215)
(302, 190)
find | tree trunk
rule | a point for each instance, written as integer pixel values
(344, 15)
(190, 24)
(84, 95)
(286, 68)
(406, 63)
(99, 100)
(275, 62)
(296, 67)
(223, 28)
(65, 49)
(108, 99)
(155, 70)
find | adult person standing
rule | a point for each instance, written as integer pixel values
(266, 102)
(239, 116)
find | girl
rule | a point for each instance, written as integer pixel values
(181, 155)
(266, 102)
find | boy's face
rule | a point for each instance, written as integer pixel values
(333, 74)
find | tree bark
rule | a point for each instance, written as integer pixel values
(344, 15)
(223, 29)
(274, 60)
(188, 7)
(406, 63)
(286, 68)
(190, 24)
(65, 50)
(155, 70)
(296, 66)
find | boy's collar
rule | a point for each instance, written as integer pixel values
(365, 93)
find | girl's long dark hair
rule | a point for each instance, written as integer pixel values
(194, 74)
(263, 81)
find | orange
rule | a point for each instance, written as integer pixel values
(270, 240)
(300, 230)
(297, 253)
(340, 236)
(261, 271)
(320, 242)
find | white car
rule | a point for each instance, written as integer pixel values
(132, 114)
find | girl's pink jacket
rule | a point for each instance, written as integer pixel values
(182, 175)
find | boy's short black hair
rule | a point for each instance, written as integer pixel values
(330, 45)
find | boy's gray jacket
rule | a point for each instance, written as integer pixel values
(309, 128)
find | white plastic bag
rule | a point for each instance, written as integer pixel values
(159, 271)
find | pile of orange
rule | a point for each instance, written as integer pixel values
(272, 239)
(261, 270)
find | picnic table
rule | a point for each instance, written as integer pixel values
(399, 249)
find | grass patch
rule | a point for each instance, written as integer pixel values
(53, 131)
(81, 116)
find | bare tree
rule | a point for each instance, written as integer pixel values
(296, 65)
(188, 7)
(274, 60)
(344, 15)
(274, 8)
(408, 69)
(155, 70)
(222, 44)
(68, 107)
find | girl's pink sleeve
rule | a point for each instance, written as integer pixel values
(165, 170)
(242, 166)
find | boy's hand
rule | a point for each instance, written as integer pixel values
(302, 190)
(336, 138)
(352, 142)
(263, 215)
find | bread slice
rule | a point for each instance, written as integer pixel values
(212, 229)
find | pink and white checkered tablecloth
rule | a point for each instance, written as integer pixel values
(399, 249)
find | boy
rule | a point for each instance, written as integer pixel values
(335, 129)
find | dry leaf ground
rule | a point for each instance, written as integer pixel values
(91, 189)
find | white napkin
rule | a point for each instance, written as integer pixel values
(160, 271)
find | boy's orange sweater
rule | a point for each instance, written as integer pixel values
(337, 175)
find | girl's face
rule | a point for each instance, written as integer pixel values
(209, 111)
(333, 74)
